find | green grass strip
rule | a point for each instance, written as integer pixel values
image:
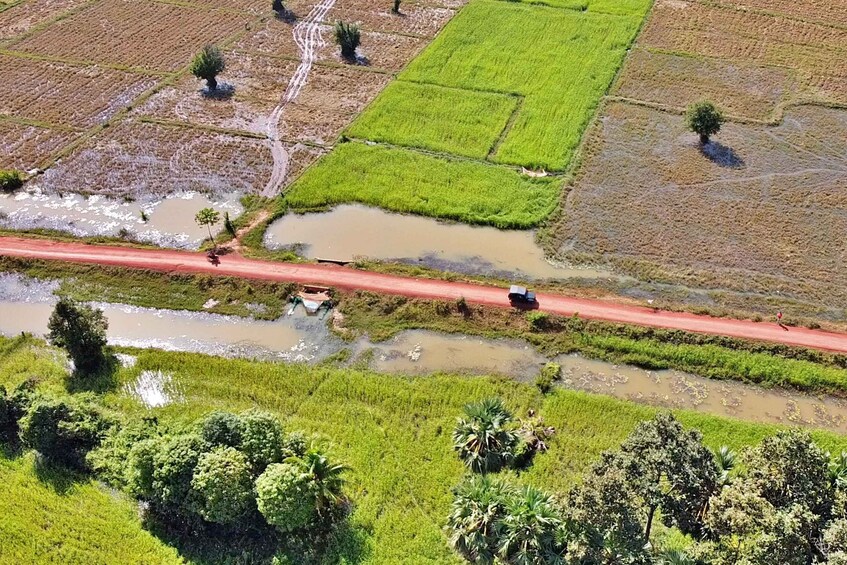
(407, 181)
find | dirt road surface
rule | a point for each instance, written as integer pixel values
(352, 279)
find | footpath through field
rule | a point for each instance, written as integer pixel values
(352, 279)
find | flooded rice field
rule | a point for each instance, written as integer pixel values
(170, 222)
(25, 306)
(352, 231)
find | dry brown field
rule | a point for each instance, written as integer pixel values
(761, 212)
(136, 158)
(676, 81)
(137, 34)
(60, 94)
(25, 147)
(84, 77)
(816, 53)
(22, 17)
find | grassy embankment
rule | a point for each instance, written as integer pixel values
(234, 296)
(506, 83)
(710, 356)
(394, 432)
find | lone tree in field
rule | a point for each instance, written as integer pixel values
(348, 37)
(704, 119)
(81, 331)
(208, 217)
(207, 65)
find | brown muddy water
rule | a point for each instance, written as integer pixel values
(25, 306)
(353, 231)
(170, 221)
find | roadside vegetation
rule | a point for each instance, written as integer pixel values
(400, 500)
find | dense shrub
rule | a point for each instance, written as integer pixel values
(173, 469)
(64, 430)
(348, 38)
(286, 497)
(222, 428)
(262, 439)
(223, 486)
(550, 373)
(10, 180)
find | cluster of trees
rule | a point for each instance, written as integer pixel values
(786, 504)
(228, 474)
(241, 471)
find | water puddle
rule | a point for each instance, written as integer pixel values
(170, 222)
(352, 231)
(675, 389)
(418, 352)
(154, 389)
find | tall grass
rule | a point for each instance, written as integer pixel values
(416, 115)
(562, 61)
(407, 181)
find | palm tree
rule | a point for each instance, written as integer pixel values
(477, 507)
(325, 477)
(675, 557)
(484, 438)
(531, 531)
(725, 459)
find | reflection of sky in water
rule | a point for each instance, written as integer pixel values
(170, 221)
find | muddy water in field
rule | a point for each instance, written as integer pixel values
(675, 389)
(170, 222)
(351, 231)
(419, 352)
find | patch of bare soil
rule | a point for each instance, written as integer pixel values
(413, 19)
(135, 159)
(25, 147)
(761, 209)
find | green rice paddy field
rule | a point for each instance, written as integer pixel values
(506, 82)
(394, 433)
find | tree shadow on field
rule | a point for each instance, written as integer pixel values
(224, 91)
(104, 379)
(286, 16)
(722, 155)
(59, 478)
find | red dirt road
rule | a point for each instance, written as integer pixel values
(351, 279)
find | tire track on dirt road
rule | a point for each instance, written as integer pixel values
(307, 36)
(434, 289)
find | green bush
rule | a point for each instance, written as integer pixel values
(262, 439)
(64, 430)
(173, 469)
(550, 373)
(81, 331)
(10, 180)
(222, 428)
(538, 320)
(223, 486)
(285, 497)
